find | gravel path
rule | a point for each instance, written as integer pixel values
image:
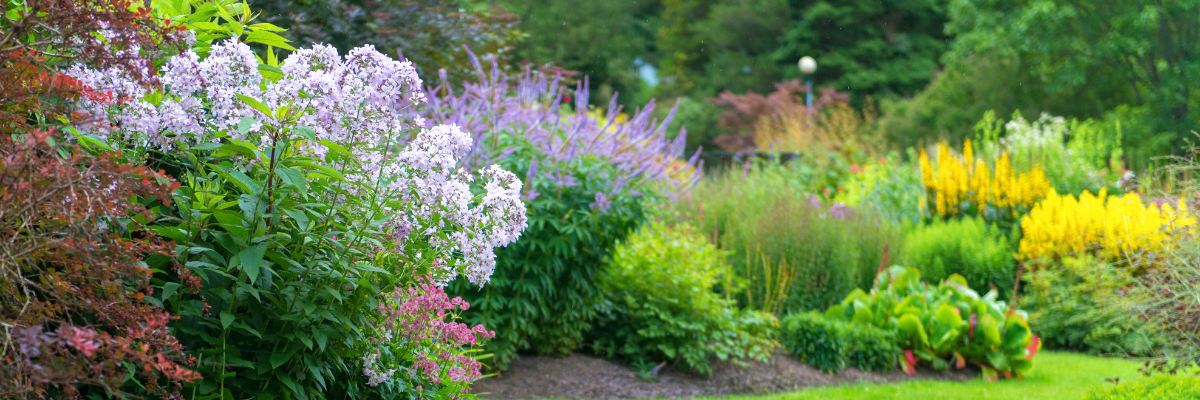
(586, 377)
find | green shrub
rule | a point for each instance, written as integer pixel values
(944, 325)
(966, 246)
(1076, 305)
(543, 295)
(815, 340)
(795, 251)
(661, 283)
(871, 348)
(831, 345)
(1158, 387)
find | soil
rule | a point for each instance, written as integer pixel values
(586, 377)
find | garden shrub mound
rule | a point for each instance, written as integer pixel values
(1079, 304)
(967, 246)
(944, 325)
(586, 377)
(1160, 387)
(660, 283)
(830, 345)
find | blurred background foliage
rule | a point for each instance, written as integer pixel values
(931, 67)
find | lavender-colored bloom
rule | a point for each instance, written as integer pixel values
(364, 102)
(838, 210)
(602, 202)
(531, 108)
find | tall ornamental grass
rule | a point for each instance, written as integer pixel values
(791, 250)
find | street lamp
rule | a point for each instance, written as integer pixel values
(807, 66)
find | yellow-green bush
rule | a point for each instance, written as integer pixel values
(969, 247)
(661, 285)
(1159, 387)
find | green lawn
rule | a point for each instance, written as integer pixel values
(1055, 376)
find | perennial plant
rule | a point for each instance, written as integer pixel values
(309, 192)
(1113, 228)
(967, 186)
(590, 178)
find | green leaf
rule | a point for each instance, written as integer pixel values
(320, 337)
(991, 332)
(336, 148)
(293, 177)
(328, 171)
(278, 359)
(245, 182)
(93, 141)
(251, 258)
(226, 319)
(864, 316)
(255, 104)
(206, 25)
(267, 27)
(169, 289)
(290, 383)
(269, 68)
(245, 124)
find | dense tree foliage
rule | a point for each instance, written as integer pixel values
(430, 33)
(1067, 45)
(869, 46)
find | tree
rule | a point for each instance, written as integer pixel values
(868, 47)
(600, 39)
(430, 33)
(1148, 45)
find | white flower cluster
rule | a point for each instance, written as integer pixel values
(364, 103)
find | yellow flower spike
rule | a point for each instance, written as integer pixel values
(968, 155)
(980, 181)
(927, 172)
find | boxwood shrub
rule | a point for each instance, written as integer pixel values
(831, 345)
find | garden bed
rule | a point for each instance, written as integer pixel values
(587, 377)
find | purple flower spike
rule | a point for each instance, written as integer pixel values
(602, 202)
(531, 105)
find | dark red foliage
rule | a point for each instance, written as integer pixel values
(743, 111)
(73, 310)
(48, 35)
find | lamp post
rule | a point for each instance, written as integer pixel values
(807, 66)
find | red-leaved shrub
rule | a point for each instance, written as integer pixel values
(42, 36)
(73, 310)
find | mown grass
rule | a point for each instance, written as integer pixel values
(1055, 376)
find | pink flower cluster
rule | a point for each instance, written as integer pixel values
(423, 313)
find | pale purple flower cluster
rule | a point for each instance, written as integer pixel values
(364, 102)
(202, 98)
(531, 107)
(442, 203)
